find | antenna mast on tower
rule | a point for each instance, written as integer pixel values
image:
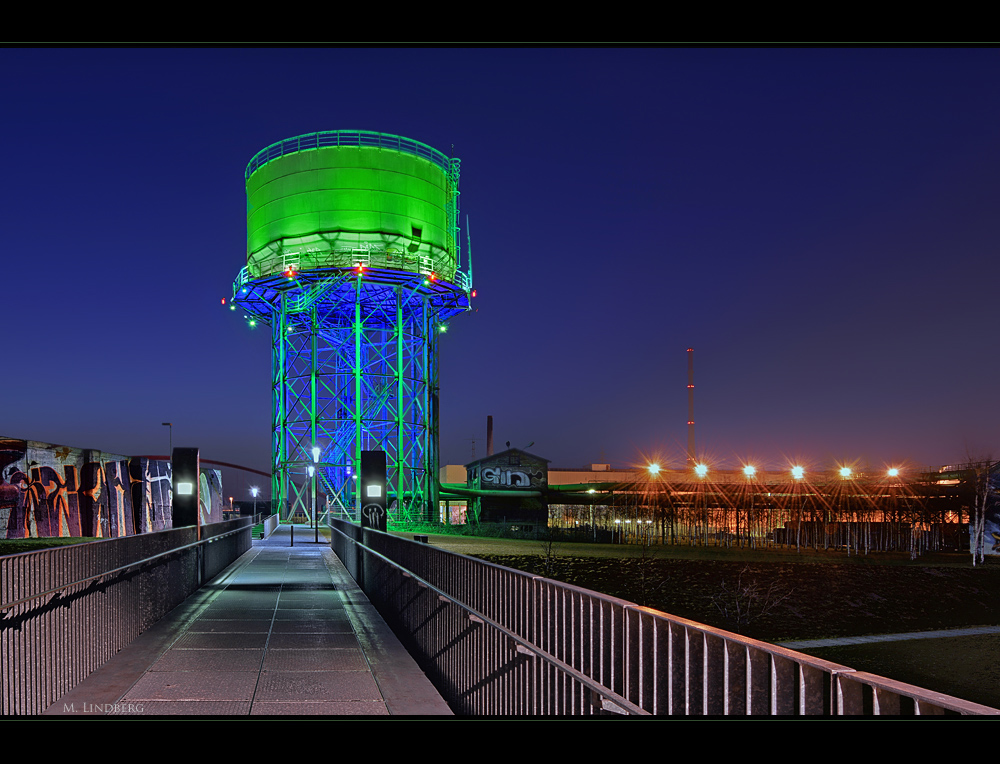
(691, 453)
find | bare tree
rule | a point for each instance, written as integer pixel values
(646, 576)
(548, 553)
(984, 479)
(748, 600)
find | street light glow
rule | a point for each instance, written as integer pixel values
(749, 470)
(845, 472)
(654, 469)
(701, 470)
(798, 472)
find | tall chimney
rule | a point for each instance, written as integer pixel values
(489, 436)
(691, 453)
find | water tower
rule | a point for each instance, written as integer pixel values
(353, 260)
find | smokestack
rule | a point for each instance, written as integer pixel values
(691, 454)
(489, 436)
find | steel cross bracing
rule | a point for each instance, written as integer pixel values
(354, 367)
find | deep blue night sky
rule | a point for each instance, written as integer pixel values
(819, 224)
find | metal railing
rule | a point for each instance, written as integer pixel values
(497, 641)
(64, 612)
(361, 138)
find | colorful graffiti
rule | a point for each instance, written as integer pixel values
(48, 490)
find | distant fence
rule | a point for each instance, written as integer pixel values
(497, 641)
(64, 612)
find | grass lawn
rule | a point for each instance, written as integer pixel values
(964, 667)
(16, 546)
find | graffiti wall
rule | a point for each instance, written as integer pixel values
(510, 470)
(51, 490)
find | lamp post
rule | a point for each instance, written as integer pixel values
(593, 527)
(750, 472)
(798, 473)
(701, 470)
(654, 473)
(253, 492)
(312, 471)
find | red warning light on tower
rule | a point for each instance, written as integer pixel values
(290, 273)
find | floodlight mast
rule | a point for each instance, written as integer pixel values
(353, 259)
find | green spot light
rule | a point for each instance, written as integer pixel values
(443, 328)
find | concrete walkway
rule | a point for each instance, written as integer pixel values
(841, 641)
(283, 631)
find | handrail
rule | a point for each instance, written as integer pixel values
(663, 663)
(72, 608)
(52, 592)
(620, 704)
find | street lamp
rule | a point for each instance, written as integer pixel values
(701, 470)
(253, 492)
(749, 472)
(798, 473)
(654, 472)
(312, 472)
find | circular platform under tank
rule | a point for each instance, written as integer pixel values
(316, 201)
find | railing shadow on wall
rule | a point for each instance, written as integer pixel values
(497, 641)
(64, 612)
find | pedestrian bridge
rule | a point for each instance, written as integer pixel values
(170, 623)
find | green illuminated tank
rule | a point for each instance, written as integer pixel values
(333, 199)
